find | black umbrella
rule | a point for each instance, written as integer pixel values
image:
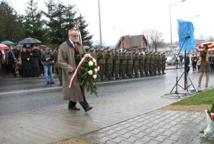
(29, 40)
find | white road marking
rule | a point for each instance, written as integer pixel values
(29, 90)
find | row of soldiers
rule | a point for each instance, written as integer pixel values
(123, 64)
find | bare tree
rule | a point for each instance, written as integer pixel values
(154, 37)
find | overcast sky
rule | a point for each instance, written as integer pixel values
(132, 17)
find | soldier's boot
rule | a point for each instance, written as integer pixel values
(116, 76)
(146, 73)
(119, 76)
(105, 77)
(136, 75)
(163, 72)
(123, 76)
(141, 74)
(99, 77)
(150, 73)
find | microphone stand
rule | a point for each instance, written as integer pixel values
(185, 74)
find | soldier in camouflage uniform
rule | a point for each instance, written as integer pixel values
(116, 64)
(149, 61)
(130, 64)
(159, 63)
(142, 64)
(155, 59)
(123, 65)
(120, 65)
(101, 63)
(163, 62)
(93, 52)
(152, 63)
(109, 64)
(136, 64)
(146, 67)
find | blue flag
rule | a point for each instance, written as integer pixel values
(186, 36)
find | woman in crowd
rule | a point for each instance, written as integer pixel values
(205, 66)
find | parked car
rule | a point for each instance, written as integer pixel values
(170, 60)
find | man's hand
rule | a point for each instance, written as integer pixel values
(87, 55)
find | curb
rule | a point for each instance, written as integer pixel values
(128, 80)
(105, 83)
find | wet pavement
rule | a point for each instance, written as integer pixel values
(125, 112)
(156, 127)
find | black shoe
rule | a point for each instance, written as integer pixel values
(88, 108)
(74, 108)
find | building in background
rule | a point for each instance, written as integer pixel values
(132, 42)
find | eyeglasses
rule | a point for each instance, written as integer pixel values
(75, 35)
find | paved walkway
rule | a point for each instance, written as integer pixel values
(156, 127)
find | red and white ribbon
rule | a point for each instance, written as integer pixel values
(78, 67)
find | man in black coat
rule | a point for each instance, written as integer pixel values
(35, 60)
(26, 63)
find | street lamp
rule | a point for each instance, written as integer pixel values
(170, 18)
(100, 28)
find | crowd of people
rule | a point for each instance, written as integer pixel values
(196, 62)
(31, 61)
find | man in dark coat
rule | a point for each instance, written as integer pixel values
(26, 63)
(35, 59)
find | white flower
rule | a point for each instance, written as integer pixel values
(94, 76)
(96, 70)
(90, 63)
(90, 72)
(94, 60)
